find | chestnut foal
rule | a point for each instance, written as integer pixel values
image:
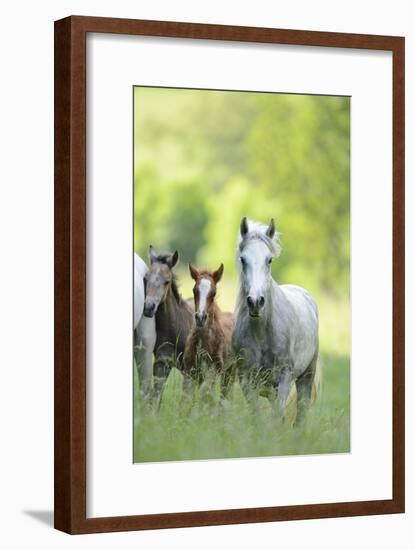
(209, 343)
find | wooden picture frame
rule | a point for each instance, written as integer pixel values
(70, 274)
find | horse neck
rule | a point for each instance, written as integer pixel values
(170, 307)
(173, 313)
(211, 334)
(214, 315)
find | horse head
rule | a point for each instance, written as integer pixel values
(204, 291)
(258, 246)
(159, 280)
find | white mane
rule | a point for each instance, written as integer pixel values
(257, 230)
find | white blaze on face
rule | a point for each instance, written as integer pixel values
(256, 271)
(204, 289)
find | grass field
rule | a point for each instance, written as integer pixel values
(231, 431)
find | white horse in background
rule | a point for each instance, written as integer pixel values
(144, 330)
(276, 328)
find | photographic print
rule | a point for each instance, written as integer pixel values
(241, 274)
(202, 257)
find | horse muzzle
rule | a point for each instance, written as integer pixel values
(201, 319)
(255, 305)
(149, 309)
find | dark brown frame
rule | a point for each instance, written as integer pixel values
(70, 273)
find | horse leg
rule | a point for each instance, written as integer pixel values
(283, 391)
(227, 380)
(304, 385)
(206, 380)
(188, 392)
(162, 368)
(139, 363)
(188, 372)
(136, 348)
(249, 390)
(188, 386)
(272, 399)
(145, 339)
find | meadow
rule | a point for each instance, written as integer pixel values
(232, 431)
(202, 160)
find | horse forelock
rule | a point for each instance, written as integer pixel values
(162, 258)
(205, 273)
(257, 231)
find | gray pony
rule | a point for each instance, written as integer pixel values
(276, 328)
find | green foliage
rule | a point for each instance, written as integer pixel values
(187, 220)
(203, 159)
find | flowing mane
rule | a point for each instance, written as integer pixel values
(257, 231)
(175, 289)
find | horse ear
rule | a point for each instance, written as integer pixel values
(152, 253)
(244, 226)
(193, 272)
(270, 232)
(217, 275)
(173, 259)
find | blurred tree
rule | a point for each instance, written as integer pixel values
(186, 220)
(300, 156)
(203, 159)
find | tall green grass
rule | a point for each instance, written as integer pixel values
(179, 431)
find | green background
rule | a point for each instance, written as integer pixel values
(202, 160)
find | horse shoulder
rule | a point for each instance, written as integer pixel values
(187, 310)
(228, 327)
(228, 319)
(179, 324)
(238, 337)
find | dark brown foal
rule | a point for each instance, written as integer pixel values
(174, 317)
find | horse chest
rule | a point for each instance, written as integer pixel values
(264, 350)
(171, 335)
(208, 344)
(270, 356)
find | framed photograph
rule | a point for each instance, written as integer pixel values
(229, 274)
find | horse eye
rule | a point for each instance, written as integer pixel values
(269, 261)
(243, 260)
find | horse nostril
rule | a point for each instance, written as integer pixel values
(201, 317)
(261, 301)
(149, 309)
(250, 302)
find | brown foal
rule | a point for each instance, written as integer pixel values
(209, 343)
